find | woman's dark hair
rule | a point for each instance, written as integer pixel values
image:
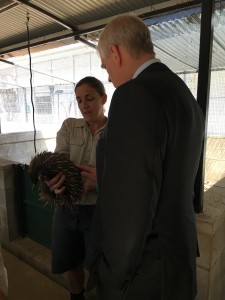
(94, 83)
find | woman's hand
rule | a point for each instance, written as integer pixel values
(56, 184)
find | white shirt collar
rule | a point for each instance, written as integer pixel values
(145, 65)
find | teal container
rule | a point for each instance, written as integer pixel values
(37, 217)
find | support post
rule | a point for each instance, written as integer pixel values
(204, 75)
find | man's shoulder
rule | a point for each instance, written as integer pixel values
(156, 66)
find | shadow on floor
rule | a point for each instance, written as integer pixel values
(26, 283)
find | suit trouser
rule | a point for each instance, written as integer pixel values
(146, 285)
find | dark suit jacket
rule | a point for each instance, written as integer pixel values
(147, 160)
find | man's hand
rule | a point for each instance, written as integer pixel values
(90, 178)
(2, 295)
(88, 172)
(56, 184)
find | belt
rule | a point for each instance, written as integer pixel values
(78, 208)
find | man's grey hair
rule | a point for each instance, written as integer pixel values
(128, 31)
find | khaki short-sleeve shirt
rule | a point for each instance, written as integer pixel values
(75, 139)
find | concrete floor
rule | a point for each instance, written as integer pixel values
(26, 283)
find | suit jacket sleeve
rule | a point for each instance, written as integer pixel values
(134, 143)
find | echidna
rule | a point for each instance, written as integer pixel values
(47, 165)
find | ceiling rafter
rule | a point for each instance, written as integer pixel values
(4, 8)
(48, 14)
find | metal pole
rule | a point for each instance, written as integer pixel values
(204, 75)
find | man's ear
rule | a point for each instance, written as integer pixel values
(104, 99)
(116, 54)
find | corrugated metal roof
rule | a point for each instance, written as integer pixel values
(78, 12)
(176, 35)
(52, 20)
(177, 40)
(177, 43)
(16, 30)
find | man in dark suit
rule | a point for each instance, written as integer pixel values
(144, 232)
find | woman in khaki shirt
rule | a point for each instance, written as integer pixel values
(71, 230)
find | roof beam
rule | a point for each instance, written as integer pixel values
(4, 8)
(48, 14)
(84, 40)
